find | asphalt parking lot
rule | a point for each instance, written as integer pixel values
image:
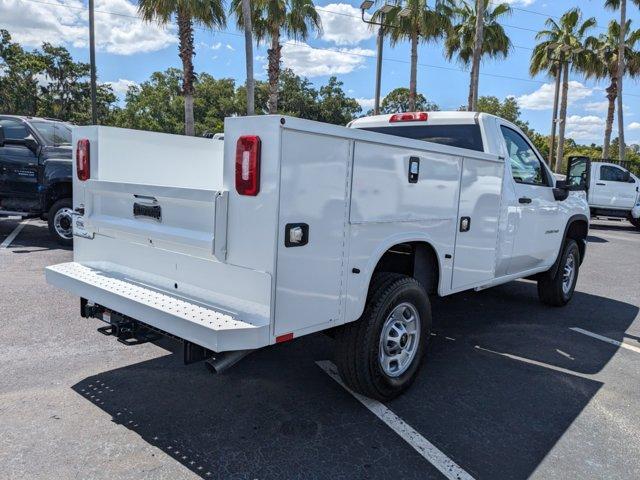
(511, 389)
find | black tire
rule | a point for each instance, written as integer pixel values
(55, 231)
(358, 343)
(552, 290)
(635, 222)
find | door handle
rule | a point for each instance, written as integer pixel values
(601, 184)
(524, 200)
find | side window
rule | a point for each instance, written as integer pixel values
(525, 164)
(612, 174)
(14, 129)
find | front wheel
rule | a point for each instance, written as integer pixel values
(558, 290)
(635, 222)
(60, 221)
(379, 355)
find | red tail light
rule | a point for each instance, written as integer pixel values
(83, 162)
(409, 117)
(248, 165)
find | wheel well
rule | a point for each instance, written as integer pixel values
(55, 193)
(578, 230)
(415, 259)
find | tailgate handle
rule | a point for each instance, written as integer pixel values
(151, 211)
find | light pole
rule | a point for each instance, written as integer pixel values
(386, 8)
(92, 60)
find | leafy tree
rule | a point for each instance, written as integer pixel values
(334, 106)
(564, 40)
(48, 83)
(461, 39)
(397, 101)
(603, 64)
(421, 24)
(19, 72)
(507, 109)
(155, 104)
(272, 18)
(209, 13)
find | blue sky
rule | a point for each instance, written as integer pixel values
(129, 50)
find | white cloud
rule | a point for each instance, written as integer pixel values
(634, 126)
(229, 47)
(542, 99)
(216, 46)
(342, 24)
(365, 103)
(589, 128)
(121, 86)
(65, 22)
(313, 62)
(523, 3)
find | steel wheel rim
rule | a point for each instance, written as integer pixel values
(568, 274)
(63, 224)
(399, 339)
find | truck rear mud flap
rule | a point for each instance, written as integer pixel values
(138, 312)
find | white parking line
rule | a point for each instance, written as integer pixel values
(606, 339)
(12, 236)
(430, 452)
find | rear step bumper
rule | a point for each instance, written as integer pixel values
(201, 325)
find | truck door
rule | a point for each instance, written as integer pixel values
(311, 231)
(613, 188)
(18, 163)
(537, 228)
(477, 229)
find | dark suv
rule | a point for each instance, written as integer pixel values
(36, 170)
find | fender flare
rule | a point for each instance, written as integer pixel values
(574, 218)
(381, 249)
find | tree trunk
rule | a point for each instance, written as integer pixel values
(248, 54)
(563, 116)
(554, 120)
(612, 94)
(185, 35)
(621, 69)
(414, 72)
(274, 71)
(477, 56)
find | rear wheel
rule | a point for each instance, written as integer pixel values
(379, 355)
(60, 221)
(558, 290)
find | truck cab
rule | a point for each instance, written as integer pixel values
(614, 192)
(35, 172)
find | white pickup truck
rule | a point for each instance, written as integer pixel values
(614, 193)
(289, 227)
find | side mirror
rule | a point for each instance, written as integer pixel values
(560, 194)
(31, 143)
(578, 174)
(1, 136)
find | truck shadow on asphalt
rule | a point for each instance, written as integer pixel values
(278, 415)
(34, 237)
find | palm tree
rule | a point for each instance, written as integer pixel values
(272, 18)
(209, 13)
(604, 65)
(543, 60)
(248, 55)
(622, 5)
(461, 39)
(563, 42)
(416, 22)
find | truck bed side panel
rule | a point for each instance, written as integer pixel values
(315, 171)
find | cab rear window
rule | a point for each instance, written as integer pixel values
(462, 136)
